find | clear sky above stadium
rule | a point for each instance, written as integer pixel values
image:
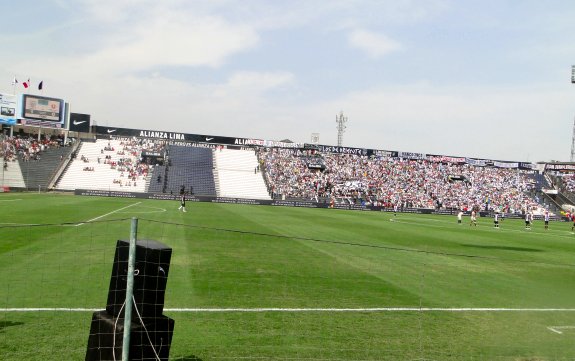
(488, 79)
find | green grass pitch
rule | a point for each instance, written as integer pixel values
(278, 283)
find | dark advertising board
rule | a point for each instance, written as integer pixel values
(79, 122)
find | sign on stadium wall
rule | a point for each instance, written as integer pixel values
(560, 167)
(284, 203)
(382, 153)
(524, 165)
(8, 106)
(267, 202)
(342, 150)
(476, 162)
(505, 164)
(275, 144)
(79, 123)
(445, 159)
(41, 111)
(410, 155)
(213, 141)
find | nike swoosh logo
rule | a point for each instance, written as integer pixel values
(111, 130)
(208, 139)
(78, 123)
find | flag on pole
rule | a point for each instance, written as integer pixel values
(40, 85)
(26, 83)
(15, 81)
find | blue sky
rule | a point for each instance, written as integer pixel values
(487, 79)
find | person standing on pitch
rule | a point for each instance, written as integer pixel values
(182, 202)
(528, 219)
(473, 221)
(546, 219)
(182, 199)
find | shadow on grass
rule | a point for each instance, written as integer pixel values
(4, 324)
(188, 358)
(504, 248)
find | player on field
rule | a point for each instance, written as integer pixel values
(182, 199)
(473, 221)
(182, 203)
(546, 218)
(496, 220)
(459, 217)
(528, 220)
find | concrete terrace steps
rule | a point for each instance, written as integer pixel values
(103, 176)
(191, 167)
(39, 173)
(12, 175)
(237, 176)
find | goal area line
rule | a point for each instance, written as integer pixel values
(301, 310)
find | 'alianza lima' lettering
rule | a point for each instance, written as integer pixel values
(244, 141)
(163, 135)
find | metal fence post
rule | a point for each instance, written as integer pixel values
(129, 290)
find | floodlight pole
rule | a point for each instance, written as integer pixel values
(129, 290)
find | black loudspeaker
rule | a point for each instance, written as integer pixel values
(106, 338)
(151, 269)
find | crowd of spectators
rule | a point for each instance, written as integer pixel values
(568, 182)
(125, 156)
(384, 181)
(28, 148)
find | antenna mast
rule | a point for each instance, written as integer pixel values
(573, 143)
(573, 136)
(340, 120)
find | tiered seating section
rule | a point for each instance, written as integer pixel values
(29, 163)
(157, 181)
(113, 165)
(238, 174)
(117, 165)
(391, 181)
(191, 167)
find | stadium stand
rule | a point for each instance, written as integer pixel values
(139, 164)
(156, 183)
(564, 184)
(38, 173)
(388, 181)
(191, 167)
(106, 165)
(238, 174)
(30, 163)
(12, 174)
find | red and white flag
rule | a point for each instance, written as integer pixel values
(26, 83)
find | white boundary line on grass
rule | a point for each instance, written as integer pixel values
(107, 214)
(153, 210)
(557, 328)
(294, 310)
